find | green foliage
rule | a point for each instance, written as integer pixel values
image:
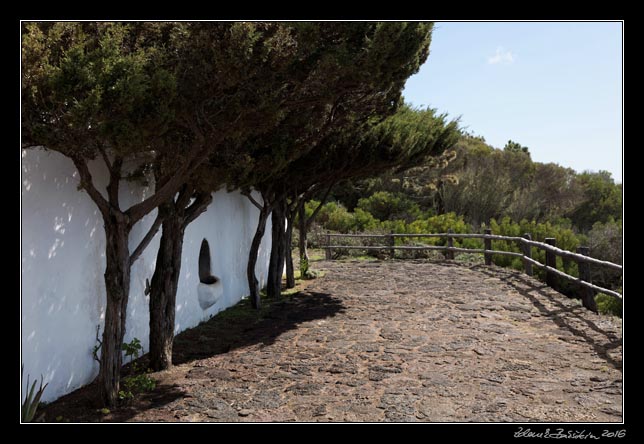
(440, 224)
(32, 400)
(135, 384)
(335, 217)
(515, 147)
(481, 183)
(138, 381)
(566, 240)
(602, 200)
(84, 82)
(132, 349)
(609, 305)
(384, 205)
(605, 241)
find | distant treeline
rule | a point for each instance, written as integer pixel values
(482, 183)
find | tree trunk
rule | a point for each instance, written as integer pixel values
(290, 272)
(302, 227)
(253, 284)
(117, 287)
(163, 289)
(278, 247)
(440, 202)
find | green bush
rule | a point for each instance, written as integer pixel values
(441, 224)
(608, 305)
(364, 221)
(566, 240)
(335, 217)
(605, 242)
(384, 205)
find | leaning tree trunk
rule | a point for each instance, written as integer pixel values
(278, 247)
(288, 246)
(117, 287)
(163, 289)
(253, 284)
(302, 227)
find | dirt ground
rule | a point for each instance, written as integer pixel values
(389, 341)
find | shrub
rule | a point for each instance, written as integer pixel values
(608, 305)
(605, 242)
(384, 205)
(335, 217)
(138, 381)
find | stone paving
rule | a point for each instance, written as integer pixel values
(410, 341)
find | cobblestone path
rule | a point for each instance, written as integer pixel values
(411, 341)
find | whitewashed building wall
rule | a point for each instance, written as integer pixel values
(63, 261)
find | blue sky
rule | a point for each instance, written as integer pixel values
(554, 87)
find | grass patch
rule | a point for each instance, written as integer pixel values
(316, 254)
(244, 311)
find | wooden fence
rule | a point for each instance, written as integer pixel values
(584, 261)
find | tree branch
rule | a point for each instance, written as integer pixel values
(87, 184)
(253, 201)
(185, 193)
(146, 239)
(105, 158)
(319, 207)
(170, 187)
(197, 207)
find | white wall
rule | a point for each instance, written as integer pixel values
(63, 260)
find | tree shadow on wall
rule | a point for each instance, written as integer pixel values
(239, 326)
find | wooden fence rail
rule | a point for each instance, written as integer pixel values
(587, 288)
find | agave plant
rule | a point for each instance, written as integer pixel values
(31, 402)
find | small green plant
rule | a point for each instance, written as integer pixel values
(32, 400)
(125, 395)
(138, 381)
(134, 384)
(132, 349)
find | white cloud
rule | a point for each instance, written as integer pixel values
(501, 56)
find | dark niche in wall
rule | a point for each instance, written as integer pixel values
(205, 274)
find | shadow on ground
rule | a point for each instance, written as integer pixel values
(533, 292)
(238, 326)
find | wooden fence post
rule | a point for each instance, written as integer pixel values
(450, 244)
(488, 246)
(587, 294)
(551, 261)
(391, 242)
(527, 252)
(327, 250)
